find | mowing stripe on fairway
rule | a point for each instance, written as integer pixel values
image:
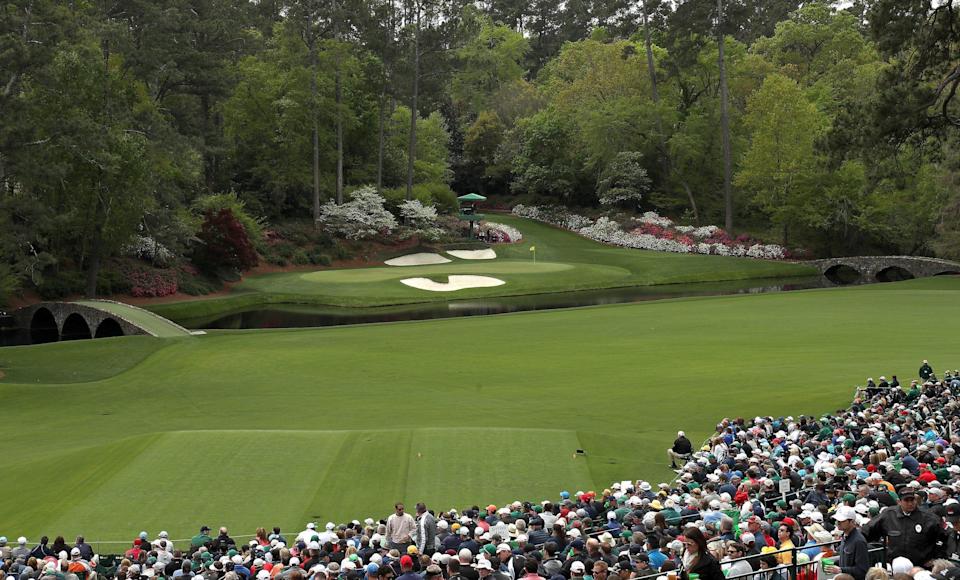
(329, 422)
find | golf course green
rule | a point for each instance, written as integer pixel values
(564, 262)
(263, 428)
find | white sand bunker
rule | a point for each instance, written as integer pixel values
(486, 254)
(453, 283)
(421, 259)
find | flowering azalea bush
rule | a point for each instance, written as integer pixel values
(152, 283)
(148, 249)
(421, 219)
(502, 233)
(364, 216)
(655, 232)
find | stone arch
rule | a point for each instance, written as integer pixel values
(948, 273)
(43, 327)
(108, 328)
(894, 274)
(842, 274)
(75, 327)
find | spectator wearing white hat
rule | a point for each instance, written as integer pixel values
(853, 551)
(21, 552)
(307, 534)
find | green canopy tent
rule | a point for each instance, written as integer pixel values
(468, 209)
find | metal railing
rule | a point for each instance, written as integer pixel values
(798, 571)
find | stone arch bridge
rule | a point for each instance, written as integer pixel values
(886, 268)
(60, 321)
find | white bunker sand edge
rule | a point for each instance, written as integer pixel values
(486, 254)
(453, 283)
(421, 259)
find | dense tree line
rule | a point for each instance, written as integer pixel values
(837, 129)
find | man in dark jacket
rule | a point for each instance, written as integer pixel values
(222, 543)
(854, 553)
(910, 531)
(682, 448)
(926, 371)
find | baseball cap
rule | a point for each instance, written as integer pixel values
(845, 513)
(484, 564)
(578, 567)
(406, 561)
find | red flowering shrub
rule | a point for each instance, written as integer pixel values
(223, 244)
(152, 283)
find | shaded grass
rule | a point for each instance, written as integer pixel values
(282, 427)
(76, 361)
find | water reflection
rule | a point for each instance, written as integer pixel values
(297, 316)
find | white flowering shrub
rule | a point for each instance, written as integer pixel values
(149, 249)
(421, 219)
(652, 217)
(364, 216)
(705, 232)
(655, 233)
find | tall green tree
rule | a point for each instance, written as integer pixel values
(780, 162)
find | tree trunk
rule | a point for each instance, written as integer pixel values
(651, 67)
(339, 135)
(316, 133)
(93, 264)
(381, 129)
(380, 139)
(724, 127)
(412, 148)
(693, 202)
(338, 82)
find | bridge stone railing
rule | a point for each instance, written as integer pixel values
(869, 267)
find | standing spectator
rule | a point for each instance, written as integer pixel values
(854, 554)
(926, 371)
(682, 448)
(426, 530)
(201, 539)
(400, 528)
(910, 531)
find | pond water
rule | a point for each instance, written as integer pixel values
(296, 316)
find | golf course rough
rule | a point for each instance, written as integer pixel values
(280, 427)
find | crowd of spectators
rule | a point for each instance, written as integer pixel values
(767, 498)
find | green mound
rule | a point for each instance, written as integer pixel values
(282, 427)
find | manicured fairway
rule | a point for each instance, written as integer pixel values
(281, 427)
(565, 262)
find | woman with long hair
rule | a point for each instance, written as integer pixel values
(262, 537)
(697, 558)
